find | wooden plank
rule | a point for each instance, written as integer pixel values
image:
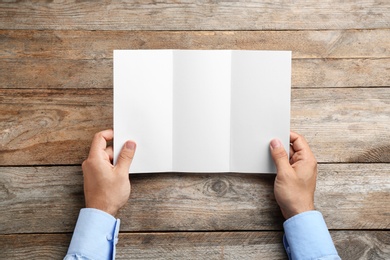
(48, 127)
(45, 197)
(203, 245)
(362, 244)
(332, 73)
(51, 126)
(48, 199)
(38, 73)
(35, 246)
(357, 192)
(344, 125)
(82, 45)
(188, 15)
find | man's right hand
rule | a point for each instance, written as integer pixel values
(295, 181)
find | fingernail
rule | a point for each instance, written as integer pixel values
(130, 145)
(275, 143)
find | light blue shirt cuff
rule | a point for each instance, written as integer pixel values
(95, 236)
(307, 237)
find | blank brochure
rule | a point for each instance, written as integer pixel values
(201, 110)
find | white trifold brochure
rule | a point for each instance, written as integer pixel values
(201, 110)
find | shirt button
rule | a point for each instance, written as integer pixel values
(109, 237)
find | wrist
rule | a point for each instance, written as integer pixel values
(107, 209)
(291, 212)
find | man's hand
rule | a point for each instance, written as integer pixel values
(295, 181)
(107, 187)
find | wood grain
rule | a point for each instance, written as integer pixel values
(62, 59)
(56, 92)
(200, 245)
(95, 45)
(48, 127)
(331, 73)
(188, 15)
(48, 199)
(51, 127)
(344, 125)
(38, 73)
(362, 245)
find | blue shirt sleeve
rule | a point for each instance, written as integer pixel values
(307, 237)
(94, 237)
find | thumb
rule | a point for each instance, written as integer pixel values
(126, 157)
(279, 155)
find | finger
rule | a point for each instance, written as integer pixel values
(99, 141)
(296, 157)
(110, 153)
(298, 142)
(279, 155)
(291, 151)
(301, 148)
(125, 157)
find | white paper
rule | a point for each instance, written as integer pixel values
(201, 111)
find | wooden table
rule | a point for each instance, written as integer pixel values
(56, 92)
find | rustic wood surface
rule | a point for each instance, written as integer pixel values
(40, 73)
(84, 45)
(56, 92)
(198, 245)
(341, 124)
(79, 59)
(36, 199)
(195, 15)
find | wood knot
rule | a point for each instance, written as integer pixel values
(216, 187)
